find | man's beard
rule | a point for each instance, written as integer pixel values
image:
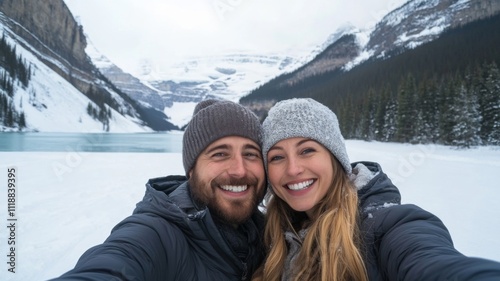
(232, 212)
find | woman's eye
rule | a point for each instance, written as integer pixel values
(307, 150)
(275, 158)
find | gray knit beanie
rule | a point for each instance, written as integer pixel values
(215, 119)
(305, 118)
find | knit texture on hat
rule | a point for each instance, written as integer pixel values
(305, 118)
(215, 119)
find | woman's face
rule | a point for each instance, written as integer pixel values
(301, 172)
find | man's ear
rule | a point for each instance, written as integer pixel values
(190, 173)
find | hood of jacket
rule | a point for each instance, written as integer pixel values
(375, 189)
(169, 197)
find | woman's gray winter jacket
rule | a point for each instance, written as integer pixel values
(405, 242)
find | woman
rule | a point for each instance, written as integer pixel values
(328, 221)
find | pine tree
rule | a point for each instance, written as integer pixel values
(490, 107)
(406, 110)
(9, 116)
(429, 97)
(22, 120)
(380, 114)
(367, 117)
(446, 108)
(89, 109)
(356, 116)
(419, 134)
(345, 115)
(1, 105)
(389, 129)
(5, 106)
(465, 131)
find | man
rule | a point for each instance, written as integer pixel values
(202, 226)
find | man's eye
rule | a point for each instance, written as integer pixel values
(252, 155)
(219, 154)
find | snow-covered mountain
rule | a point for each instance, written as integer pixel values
(175, 90)
(60, 89)
(414, 23)
(52, 104)
(65, 85)
(421, 21)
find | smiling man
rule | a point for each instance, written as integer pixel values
(202, 226)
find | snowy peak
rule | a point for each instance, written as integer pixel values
(414, 23)
(176, 89)
(421, 21)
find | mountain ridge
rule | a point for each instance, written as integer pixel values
(46, 37)
(406, 27)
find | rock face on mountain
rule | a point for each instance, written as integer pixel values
(49, 28)
(336, 56)
(421, 21)
(133, 86)
(414, 23)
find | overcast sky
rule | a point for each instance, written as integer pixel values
(165, 31)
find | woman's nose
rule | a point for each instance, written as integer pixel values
(294, 166)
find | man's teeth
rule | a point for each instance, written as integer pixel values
(300, 185)
(234, 188)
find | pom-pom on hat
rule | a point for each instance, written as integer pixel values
(214, 119)
(304, 118)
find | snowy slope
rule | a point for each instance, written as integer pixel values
(68, 202)
(52, 104)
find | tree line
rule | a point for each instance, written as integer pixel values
(14, 71)
(454, 110)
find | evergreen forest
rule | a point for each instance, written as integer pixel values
(14, 71)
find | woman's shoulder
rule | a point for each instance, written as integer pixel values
(402, 220)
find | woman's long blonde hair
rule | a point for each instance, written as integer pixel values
(330, 250)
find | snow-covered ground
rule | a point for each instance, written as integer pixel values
(67, 202)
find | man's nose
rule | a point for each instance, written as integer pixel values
(237, 167)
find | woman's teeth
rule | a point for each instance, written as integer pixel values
(300, 185)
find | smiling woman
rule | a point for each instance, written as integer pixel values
(328, 219)
(301, 170)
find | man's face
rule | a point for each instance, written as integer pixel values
(229, 178)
